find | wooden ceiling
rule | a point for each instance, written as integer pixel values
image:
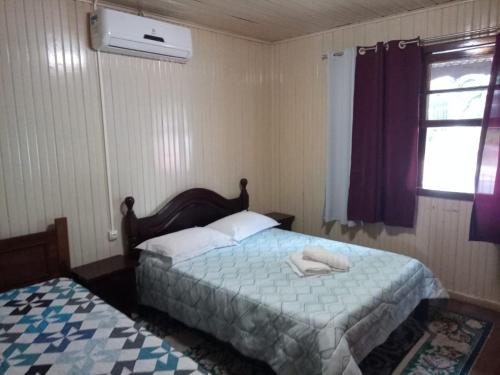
(274, 20)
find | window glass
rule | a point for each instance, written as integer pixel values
(456, 105)
(450, 158)
(455, 98)
(456, 74)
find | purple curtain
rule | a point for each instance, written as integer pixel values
(385, 135)
(485, 220)
(365, 186)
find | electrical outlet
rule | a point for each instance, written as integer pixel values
(113, 235)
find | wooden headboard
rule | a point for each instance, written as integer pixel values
(191, 208)
(35, 257)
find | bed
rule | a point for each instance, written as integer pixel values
(246, 295)
(56, 326)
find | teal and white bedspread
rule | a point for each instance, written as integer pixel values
(247, 295)
(59, 327)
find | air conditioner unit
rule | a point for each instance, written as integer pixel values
(126, 34)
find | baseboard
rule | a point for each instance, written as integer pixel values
(475, 301)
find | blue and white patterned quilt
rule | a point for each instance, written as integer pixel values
(247, 295)
(59, 327)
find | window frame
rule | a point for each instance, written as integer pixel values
(440, 53)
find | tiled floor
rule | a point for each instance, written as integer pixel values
(488, 362)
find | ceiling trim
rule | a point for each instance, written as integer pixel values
(176, 21)
(256, 40)
(376, 20)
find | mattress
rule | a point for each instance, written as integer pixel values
(247, 295)
(59, 327)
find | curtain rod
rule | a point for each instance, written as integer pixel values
(433, 40)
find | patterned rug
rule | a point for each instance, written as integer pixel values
(448, 345)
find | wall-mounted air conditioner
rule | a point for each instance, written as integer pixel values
(126, 34)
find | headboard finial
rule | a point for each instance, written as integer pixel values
(130, 223)
(244, 198)
(129, 202)
(243, 183)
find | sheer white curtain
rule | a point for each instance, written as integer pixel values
(340, 98)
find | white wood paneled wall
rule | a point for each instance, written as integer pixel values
(239, 108)
(298, 118)
(171, 126)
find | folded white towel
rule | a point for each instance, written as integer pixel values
(337, 261)
(306, 267)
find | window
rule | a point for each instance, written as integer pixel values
(456, 83)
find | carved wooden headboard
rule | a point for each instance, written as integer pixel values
(35, 257)
(191, 208)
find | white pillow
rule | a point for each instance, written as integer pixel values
(243, 224)
(186, 243)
